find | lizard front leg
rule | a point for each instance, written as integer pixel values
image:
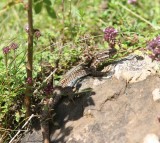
(97, 73)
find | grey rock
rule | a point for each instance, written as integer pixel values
(115, 111)
(136, 70)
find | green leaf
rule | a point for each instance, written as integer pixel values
(75, 13)
(48, 2)
(17, 115)
(51, 11)
(38, 7)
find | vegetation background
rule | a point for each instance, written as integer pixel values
(67, 28)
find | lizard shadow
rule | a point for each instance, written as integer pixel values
(67, 112)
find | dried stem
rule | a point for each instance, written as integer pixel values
(22, 128)
(28, 94)
(63, 20)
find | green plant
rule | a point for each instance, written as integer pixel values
(67, 29)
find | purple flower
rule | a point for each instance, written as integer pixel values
(156, 51)
(26, 28)
(6, 50)
(154, 47)
(13, 46)
(48, 89)
(29, 80)
(37, 33)
(110, 35)
(132, 1)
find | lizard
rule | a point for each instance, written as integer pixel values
(87, 68)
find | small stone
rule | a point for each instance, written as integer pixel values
(156, 94)
(151, 138)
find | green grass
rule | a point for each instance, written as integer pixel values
(136, 25)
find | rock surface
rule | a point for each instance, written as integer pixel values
(116, 111)
(136, 69)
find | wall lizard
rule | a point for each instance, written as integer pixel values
(70, 79)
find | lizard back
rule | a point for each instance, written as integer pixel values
(82, 70)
